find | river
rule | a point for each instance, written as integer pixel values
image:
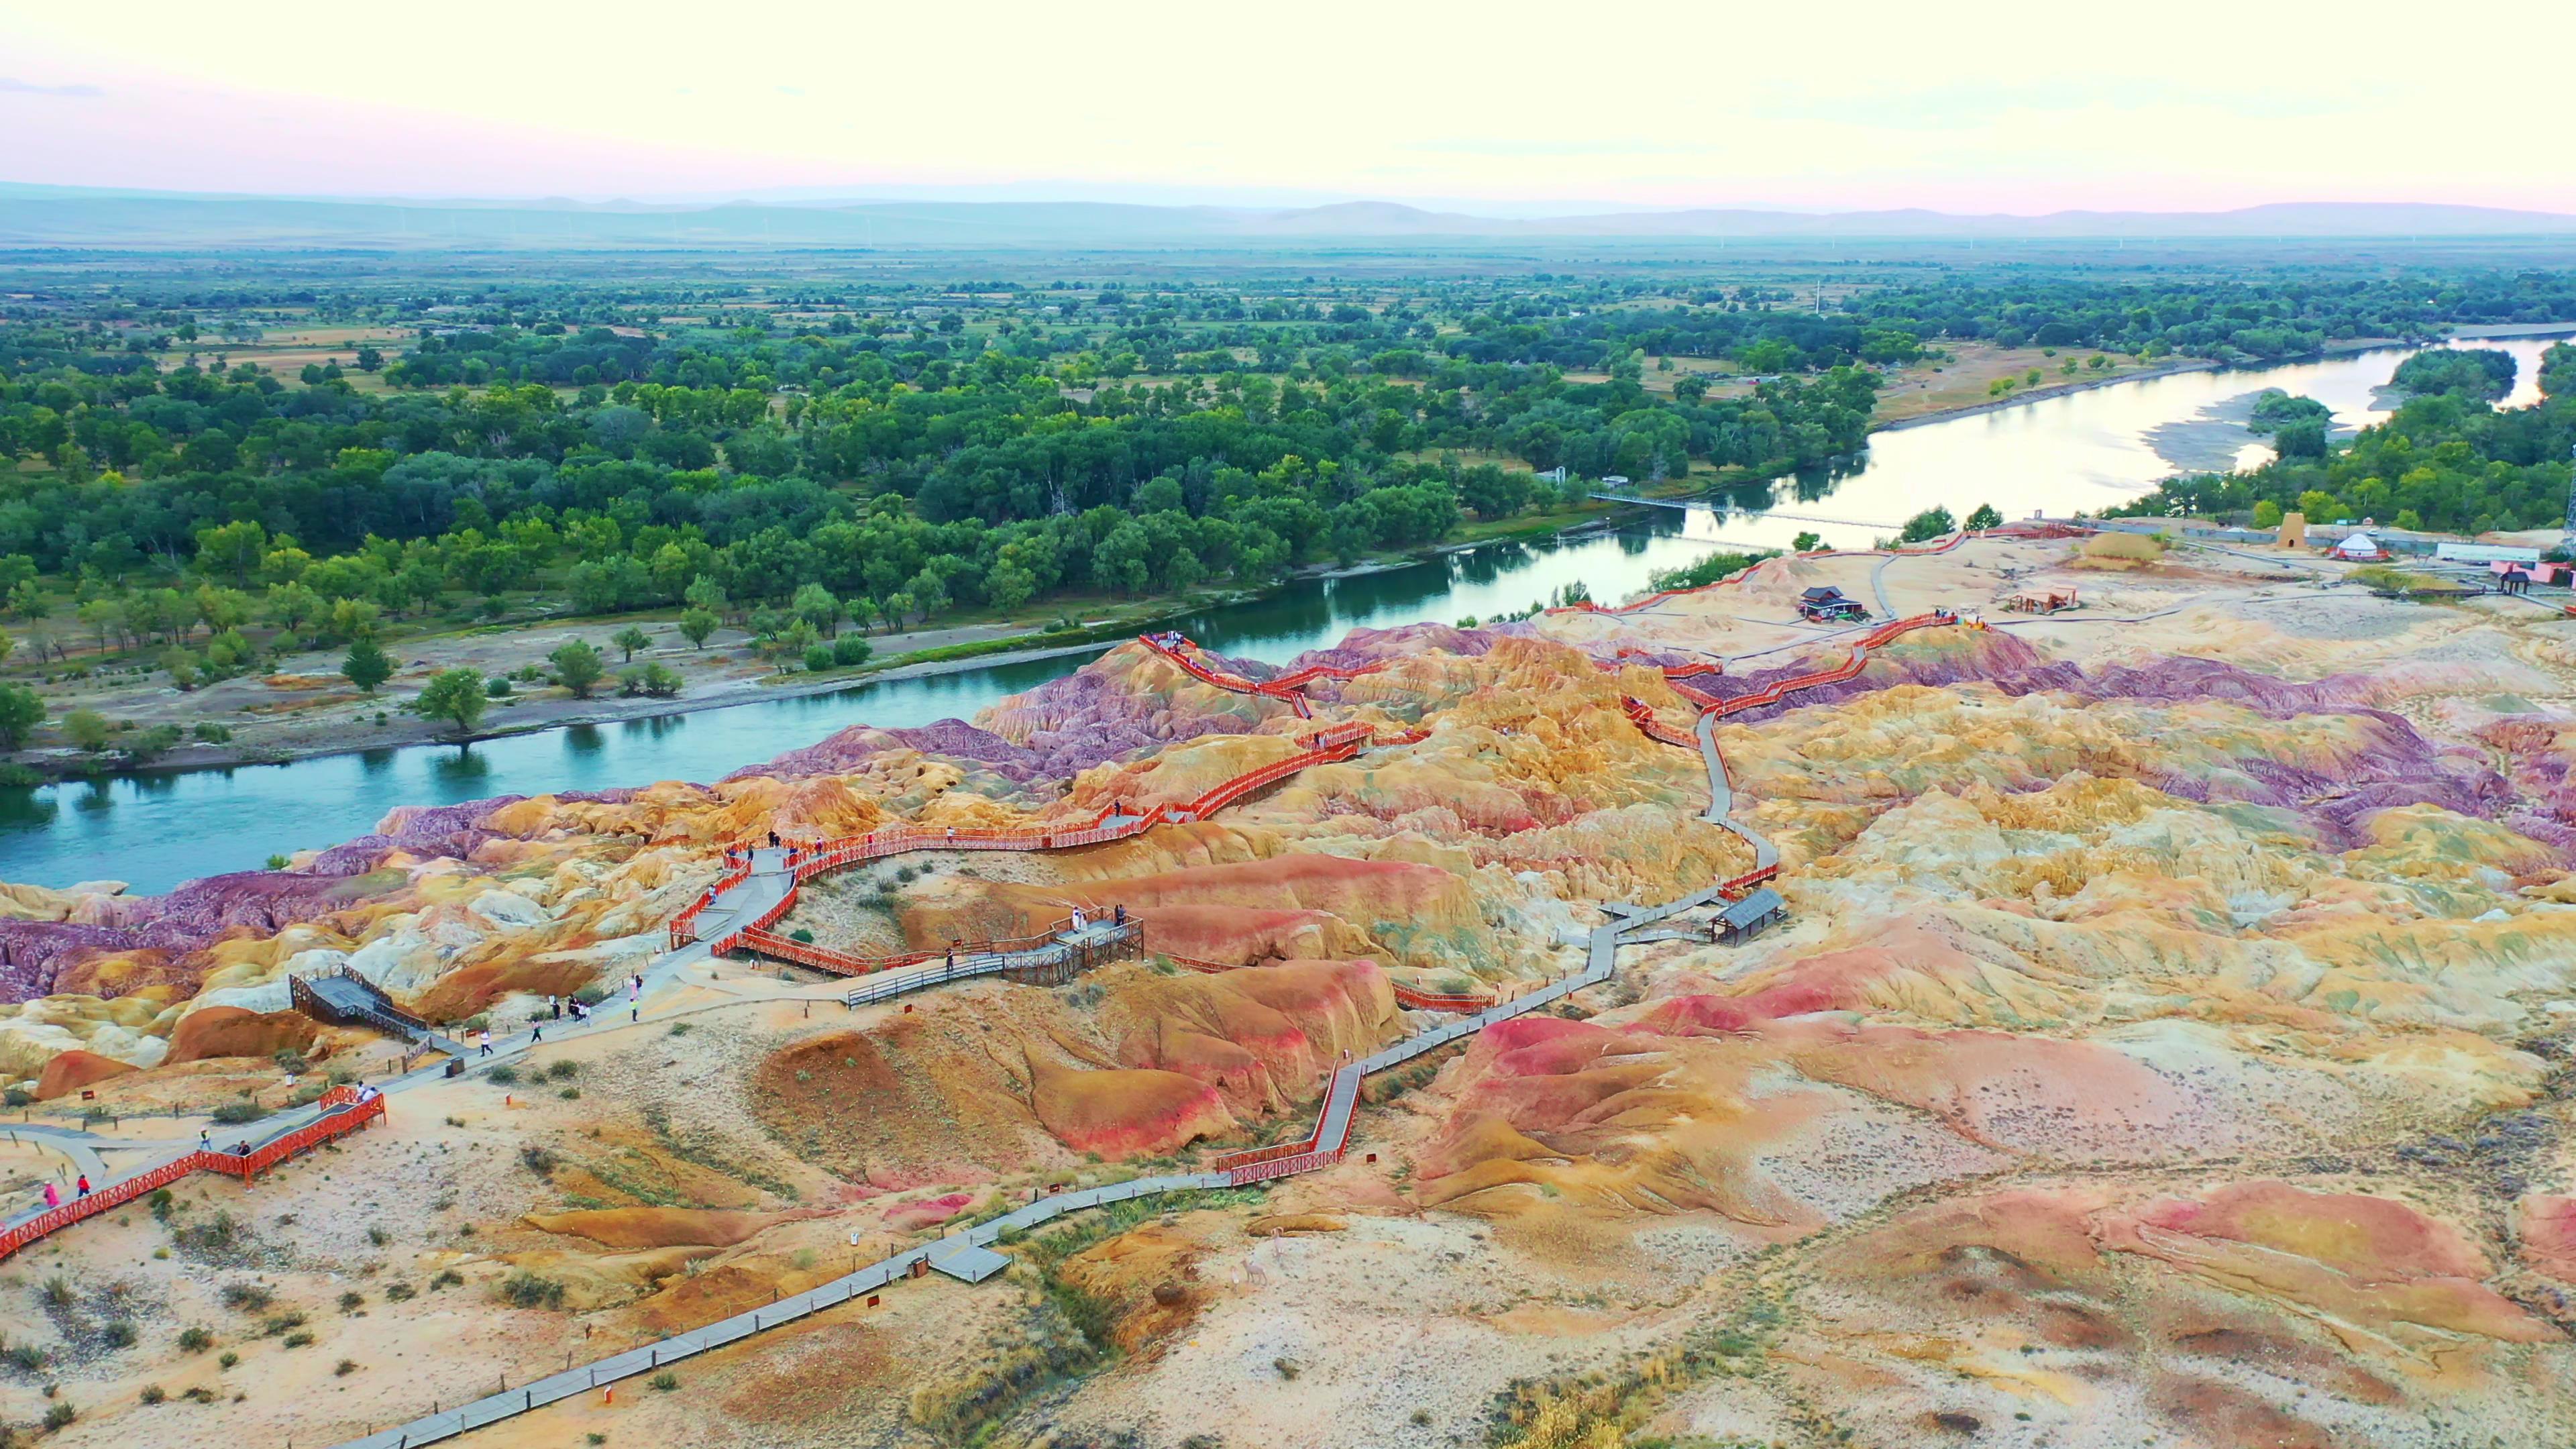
(2085, 450)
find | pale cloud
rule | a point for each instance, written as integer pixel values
(12, 86)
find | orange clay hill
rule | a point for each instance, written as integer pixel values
(2165, 1040)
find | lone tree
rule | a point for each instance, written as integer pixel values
(631, 639)
(21, 710)
(367, 665)
(696, 625)
(1985, 517)
(578, 668)
(88, 729)
(454, 695)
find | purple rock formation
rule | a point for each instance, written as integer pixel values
(33, 952)
(951, 739)
(2394, 765)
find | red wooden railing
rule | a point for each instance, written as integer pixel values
(1289, 687)
(343, 1112)
(1328, 746)
(684, 926)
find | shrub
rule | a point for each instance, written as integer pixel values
(60, 1415)
(196, 1340)
(539, 1160)
(352, 1301)
(2124, 548)
(503, 1075)
(233, 1114)
(523, 1289)
(18, 1097)
(497, 687)
(153, 1394)
(378, 1236)
(118, 1334)
(281, 1324)
(397, 1292)
(664, 1381)
(819, 658)
(27, 1357)
(561, 1070)
(570, 1094)
(298, 1339)
(162, 1204)
(212, 733)
(57, 1292)
(214, 1234)
(344, 1368)
(227, 1359)
(447, 1278)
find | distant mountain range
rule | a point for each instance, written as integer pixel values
(44, 216)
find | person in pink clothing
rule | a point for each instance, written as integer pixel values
(53, 1196)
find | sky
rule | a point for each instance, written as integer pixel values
(1494, 107)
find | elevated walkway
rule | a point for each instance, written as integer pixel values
(345, 998)
(970, 1256)
(336, 1113)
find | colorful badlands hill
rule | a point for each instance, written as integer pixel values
(2164, 1045)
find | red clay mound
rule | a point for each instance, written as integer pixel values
(929, 1212)
(1120, 1113)
(232, 1031)
(1717, 1015)
(1263, 1034)
(2548, 1231)
(75, 1069)
(653, 1227)
(1235, 936)
(2371, 1238)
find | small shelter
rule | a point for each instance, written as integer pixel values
(1829, 603)
(2544, 571)
(1745, 919)
(2358, 547)
(2041, 598)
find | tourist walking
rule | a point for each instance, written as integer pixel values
(483, 1039)
(53, 1196)
(84, 1185)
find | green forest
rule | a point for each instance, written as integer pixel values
(797, 452)
(2447, 459)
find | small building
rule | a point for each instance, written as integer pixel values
(1829, 603)
(2041, 598)
(2533, 571)
(2358, 548)
(1745, 919)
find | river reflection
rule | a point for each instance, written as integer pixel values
(2084, 451)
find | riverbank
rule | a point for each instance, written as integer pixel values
(305, 711)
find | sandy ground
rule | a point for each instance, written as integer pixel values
(305, 708)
